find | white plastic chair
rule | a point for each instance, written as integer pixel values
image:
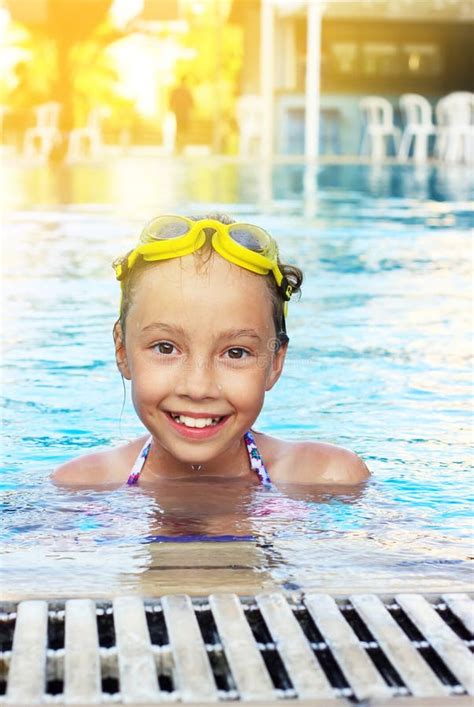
(168, 129)
(4, 109)
(418, 126)
(4, 147)
(249, 120)
(40, 140)
(377, 114)
(455, 134)
(86, 143)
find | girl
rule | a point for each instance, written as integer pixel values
(201, 336)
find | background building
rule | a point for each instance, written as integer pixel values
(305, 64)
(369, 47)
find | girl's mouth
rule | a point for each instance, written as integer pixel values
(196, 427)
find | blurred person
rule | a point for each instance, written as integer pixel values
(22, 100)
(181, 104)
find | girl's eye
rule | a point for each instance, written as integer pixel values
(163, 347)
(238, 353)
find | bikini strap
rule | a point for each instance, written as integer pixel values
(256, 461)
(139, 463)
(255, 458)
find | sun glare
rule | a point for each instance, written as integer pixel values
(146, 68)
(122, 11)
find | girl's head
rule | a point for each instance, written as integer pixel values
(200, 334)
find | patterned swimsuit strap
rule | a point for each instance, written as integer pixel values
(256, 461)
(139, 463)
(255, 458)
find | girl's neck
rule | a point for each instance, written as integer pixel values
(232, 464)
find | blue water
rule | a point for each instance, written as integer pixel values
(379, 361)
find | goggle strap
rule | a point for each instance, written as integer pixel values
(124, 269)
(285, 289)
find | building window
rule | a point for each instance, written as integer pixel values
(422, 59)
(380, 59)
(344, 57)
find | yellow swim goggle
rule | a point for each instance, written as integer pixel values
(243, 244)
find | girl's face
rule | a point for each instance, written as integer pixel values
(199, 341)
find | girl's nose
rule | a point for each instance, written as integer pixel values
(198, 379)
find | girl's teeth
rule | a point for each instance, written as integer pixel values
(195, 422)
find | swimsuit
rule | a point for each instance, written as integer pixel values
(256, 461)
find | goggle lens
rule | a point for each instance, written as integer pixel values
(164, 228)
(250, 237)
(168, 227)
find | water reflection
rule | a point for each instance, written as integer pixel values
(104, 542)
(160, 183)
(107, 542)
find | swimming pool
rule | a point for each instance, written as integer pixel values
(379, 361)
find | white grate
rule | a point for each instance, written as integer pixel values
(264, 649)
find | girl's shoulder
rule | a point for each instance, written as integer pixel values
(111, 466)
(305, 462)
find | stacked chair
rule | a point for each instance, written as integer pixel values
(419, 126)
(40, 140)
(455, 119)
(452, 133)
(86, 143)
(377, 114)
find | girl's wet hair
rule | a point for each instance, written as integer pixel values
(293, 274)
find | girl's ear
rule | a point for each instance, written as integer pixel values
(120, 352)
(277, 366)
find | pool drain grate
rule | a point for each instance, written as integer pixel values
(266, 648)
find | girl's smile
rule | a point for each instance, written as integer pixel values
(200, 426)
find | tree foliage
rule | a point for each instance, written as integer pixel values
(63, 58)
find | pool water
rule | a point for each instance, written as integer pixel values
(379, 362)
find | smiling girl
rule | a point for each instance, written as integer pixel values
(201, 336)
